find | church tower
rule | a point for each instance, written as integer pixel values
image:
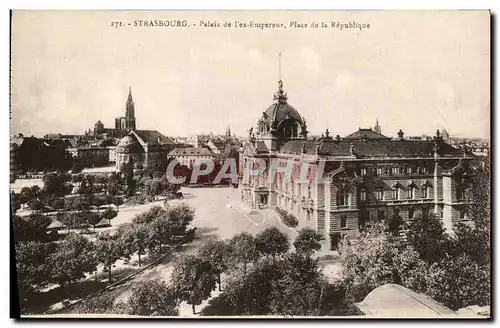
(130, 112)
(377, 128)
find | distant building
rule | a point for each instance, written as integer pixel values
(377, 128)
(188, 156)
(90, 156)
(145, 148)
(123, 124)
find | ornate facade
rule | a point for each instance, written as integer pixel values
(364, 176)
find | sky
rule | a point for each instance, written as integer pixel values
(416, 71)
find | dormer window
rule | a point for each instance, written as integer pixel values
(362, 172)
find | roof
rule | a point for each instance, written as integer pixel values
(282, 111)
(191, 152)
(370, 148)
(153, 137)
(363, 134)
(56, 224)
(392, 300)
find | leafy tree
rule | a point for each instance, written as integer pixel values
(181, 216)
(427, 236)
(109, 214)
(56, 184)
(137, 236)
(459, 282)
(33, 267)
(161, 232)
(15, 203)
(478, 198)
(379, 257)
(194, 280)
(76, 168)
(307, 242)
(36, 205)
(113, 185)
(92, 218)
(216, 253)
(74, 257)
(98, 202)
(31, 228)
(127, 172)
(394, 224)
(152, 298)
(25, 195)
(272, 242)
(104, 303)
(243, 250)
(117, 201)
(108, 250)
(473, 242)
(149, 216)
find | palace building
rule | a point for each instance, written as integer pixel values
(366, 175)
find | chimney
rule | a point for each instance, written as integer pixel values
(401, 134)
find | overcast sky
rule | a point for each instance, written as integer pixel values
(415, 71)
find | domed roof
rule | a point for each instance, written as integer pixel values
(128, 143)
(282, 111)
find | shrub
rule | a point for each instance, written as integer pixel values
(287, 218)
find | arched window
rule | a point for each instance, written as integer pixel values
(380, 194)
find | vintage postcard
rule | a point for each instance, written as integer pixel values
(251, 164)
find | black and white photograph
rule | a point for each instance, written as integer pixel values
(251, 164)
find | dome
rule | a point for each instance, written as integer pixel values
(128, 144)
(283, 111)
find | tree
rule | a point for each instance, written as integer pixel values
(473, 242)
(153, 213)
(127, 172)
(243, 250)
(31, 228)
(92, 218)
(459, 282)
(137, 236)
(76, 168)
(33, 268)
(25, 195)
(108, 250)
(152, 298)
(427, 236)
(307, 242)
(194, 281)
(379, 257)
(74, 257)
(113, 185)
(69, 219)
(109, 214)
(117, 201)
(56, 184)
(216, 253)
(272, 242)
(36, 204)
(181, 216)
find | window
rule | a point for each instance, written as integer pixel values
(308, 191)
(380, 194)
(380, 215)
(396, 193)
(362, 172)
(362, 195)
(380, 171)
(396, 212)
(411, 211)
(409, 170)
(342, 198)
(424, 169)
(343, 221)
(425, 192)
(463, 215)
(460, 192)
(395, 170)
(411, 192)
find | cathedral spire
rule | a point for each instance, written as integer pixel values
(129, 99)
